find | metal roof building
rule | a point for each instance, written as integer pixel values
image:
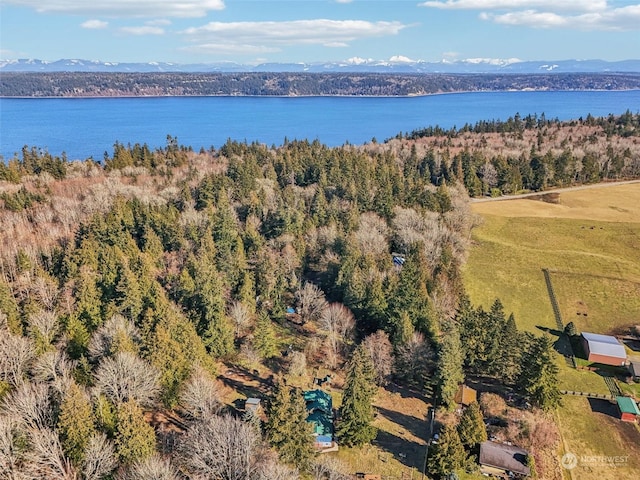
(628, 407)
(498, 458)
(320, 414)
(604, 349)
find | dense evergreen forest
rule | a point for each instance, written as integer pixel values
(82, 84)
(129, 286)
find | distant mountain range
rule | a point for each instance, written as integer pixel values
(393, 65)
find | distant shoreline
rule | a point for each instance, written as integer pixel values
(420, 95)
(292, 85)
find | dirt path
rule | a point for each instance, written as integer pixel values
(555, 190)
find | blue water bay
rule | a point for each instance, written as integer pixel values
(87, 127)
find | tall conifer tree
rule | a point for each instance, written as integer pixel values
(356, 414)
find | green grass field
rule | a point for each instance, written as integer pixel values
(594, 263)
(589, 240)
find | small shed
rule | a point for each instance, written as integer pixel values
(500, 458)
(604, 349)
(628, 408)
(253, 405)
(634, 370)
(465, 396)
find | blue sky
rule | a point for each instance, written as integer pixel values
(245, 31)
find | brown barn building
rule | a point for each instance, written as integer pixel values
(604, 349)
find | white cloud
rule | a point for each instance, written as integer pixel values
(94, 24)
(567, 14)
(625, 18)
(159, 22)
(267, 36)
(124, 8)
(564, 5)
(143, 30)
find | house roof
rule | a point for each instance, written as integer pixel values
(505, 457)
(466, 395)
(322, 424)
(318, 400)
(634, 368)
(627, 405)
(605, 345)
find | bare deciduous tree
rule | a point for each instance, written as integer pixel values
(200, 395)
(152, 468)
(381, 352)
(116, 334)
(414, 360)
(29, 405)
(12, 450)
(297, 364)
(43, 327)
(16, 354)
(241, 317)
(409, 227)
(99, 458)
(249, 353)
(46, 457)
(329, 468)
(337, 321)
(54, 368)
(223, 448)
(46, 291)
(126, 377)
(272, 470)
(372, 234)
(311, 302)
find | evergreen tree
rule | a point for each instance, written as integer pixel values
(9, 307)
(135, 439)
(213, 325)
(356, 414)
(570, 329)
(509, 362)
(447, 455)
(287, 428)
(75, 423)
(539, 377)
(471, 427)
(450, 358)
(264, 337)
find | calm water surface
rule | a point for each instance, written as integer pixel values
(88, 127)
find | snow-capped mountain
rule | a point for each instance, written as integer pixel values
(396, 64)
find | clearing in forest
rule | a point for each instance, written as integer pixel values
(589, 241)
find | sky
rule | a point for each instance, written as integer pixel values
(292, 31)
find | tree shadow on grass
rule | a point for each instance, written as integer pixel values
(405, 451)
(414, 425)
(603, 406)
(562, 345)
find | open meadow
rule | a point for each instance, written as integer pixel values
(589, 241)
